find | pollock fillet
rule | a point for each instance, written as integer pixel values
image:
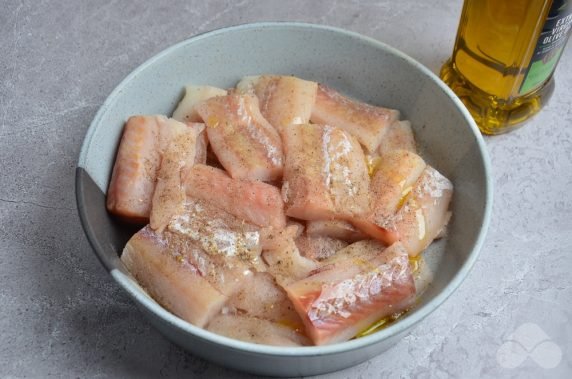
(256, 202)
(186, 110)
(366, 122)
(325, 175)
(284, 100)
(138, 161)
(246, 145)
(352, 290)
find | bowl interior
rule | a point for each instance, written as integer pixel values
(355, 65)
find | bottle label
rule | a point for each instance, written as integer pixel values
(550, 45)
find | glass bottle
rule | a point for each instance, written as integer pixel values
(504, 57)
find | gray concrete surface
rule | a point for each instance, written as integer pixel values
(62, 316)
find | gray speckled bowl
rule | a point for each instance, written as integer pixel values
(354, 64)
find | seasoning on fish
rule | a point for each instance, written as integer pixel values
(425, 213)
(138, 160)
(325, 175)
(170, 275)
(319, 248)
(273, 238)
(186, 110)
(178, 145)
(246, 145)
(366, 122)
(392, 183)
(286, 263)
(398, 137)
(346, 296)
(390, 186)
(253, 201)
(217, 232)
(284, 100)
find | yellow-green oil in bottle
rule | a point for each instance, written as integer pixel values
(504, 58)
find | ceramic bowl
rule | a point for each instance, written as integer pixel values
(355, 65)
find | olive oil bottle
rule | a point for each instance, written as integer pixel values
(504, 57)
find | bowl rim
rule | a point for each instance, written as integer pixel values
(141, 298)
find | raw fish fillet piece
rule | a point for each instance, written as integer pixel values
(286, 264)
(284, 100)
(165, 266)
(186, 110)
(246, 145)
(319, 248)
(218, 233)
(366, 122)
(357, 288)
(398, 137)
(424, 214)
(357, 253)
(278, 238)
(253, 201)
(133, 179)
(263, 298)
(138, 160)
(337, 229)
(392, 182)
(325, 176)
(255, 330)
(178, 145)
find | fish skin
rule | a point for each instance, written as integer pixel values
(349, 292)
